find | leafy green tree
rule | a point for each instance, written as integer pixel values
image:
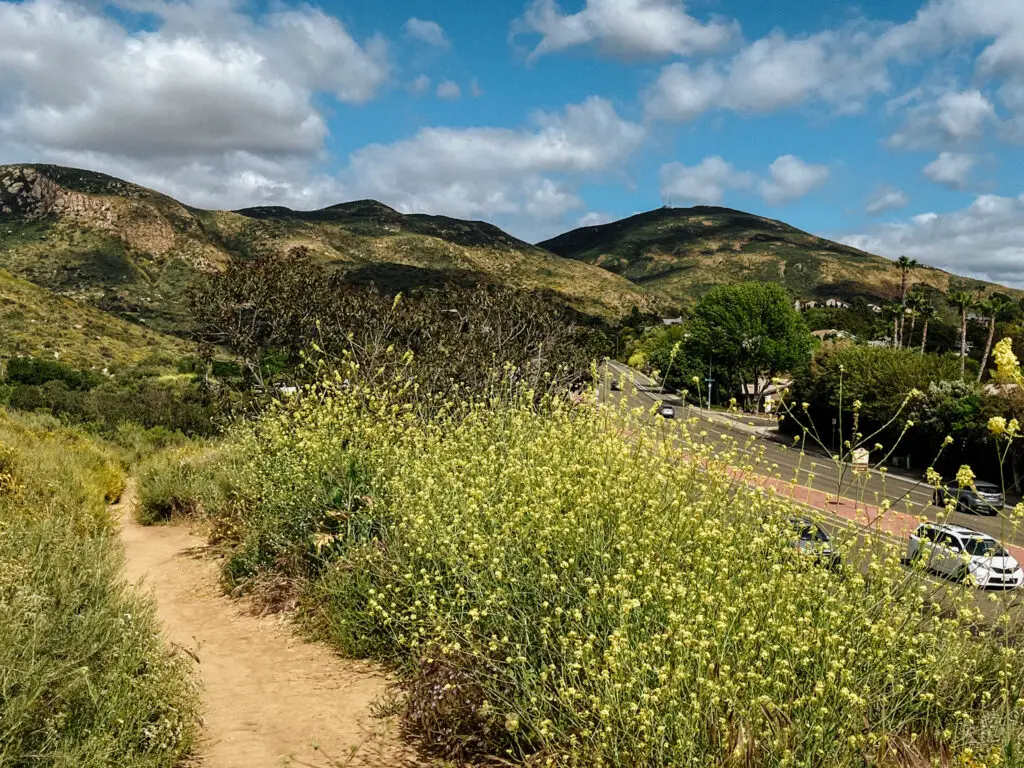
(751, 331)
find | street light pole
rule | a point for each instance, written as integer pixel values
(710, 380)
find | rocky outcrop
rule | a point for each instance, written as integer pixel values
(29, 194)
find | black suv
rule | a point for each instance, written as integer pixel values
(983, 498)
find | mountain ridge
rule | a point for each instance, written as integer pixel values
(133, 251)
(684, 252)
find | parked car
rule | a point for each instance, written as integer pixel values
(666, 411)
(962, 553)
(812, 540)
(983, 498)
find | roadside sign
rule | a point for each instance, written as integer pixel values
(861, 460)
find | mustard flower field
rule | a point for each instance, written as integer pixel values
(565, 584)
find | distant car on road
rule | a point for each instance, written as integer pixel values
(666, 411)
(961, 553)
(810, 539)
(983, 498)
(615, 385)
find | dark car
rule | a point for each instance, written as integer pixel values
(615, 385)
(666, 411)
(983, 498)
(812, 540)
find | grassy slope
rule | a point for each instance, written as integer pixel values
(36, 321)
(685, 251)
(132, 251)
(84, 677)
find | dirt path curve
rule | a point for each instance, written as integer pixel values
(267, 695)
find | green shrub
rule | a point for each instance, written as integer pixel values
(31, 370)
(181, 481)
(560, 586)
(84, 677)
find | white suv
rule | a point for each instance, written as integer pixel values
(961, 553)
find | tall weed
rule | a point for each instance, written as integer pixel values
(84, 677)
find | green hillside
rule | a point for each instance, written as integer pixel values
(35, 321)
(132, 251)
(683, 252)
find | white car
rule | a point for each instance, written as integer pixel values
(962, 553)
(666, 411)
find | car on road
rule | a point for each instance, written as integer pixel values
(666, 411)
(962, 553)
(616, 386)
(981, 498)
(811, 539)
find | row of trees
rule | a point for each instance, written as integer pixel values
(915, 305)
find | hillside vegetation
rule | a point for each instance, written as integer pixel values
(134, 252)
(684, 252)
(561, 586)
(36, 321)
(84, 677)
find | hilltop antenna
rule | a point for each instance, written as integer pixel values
(666, 201)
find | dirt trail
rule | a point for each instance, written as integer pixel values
(268, 696)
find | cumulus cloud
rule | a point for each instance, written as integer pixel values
(951, 118)
(984, 240)
(420, 85)
(775, 72)
(624, 28)
(792, 178)
(706, 183)
(449, 90)
(429, 32)
(593, 218)
(886, 198)
(532, 173)
(75, 80)
(951, 169)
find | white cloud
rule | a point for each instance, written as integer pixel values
(792, 178)
(531, 173)
(429, 32)
(594, 218)
(951, 118)
(449, 90)
(950, 169)
(775, 72)
(76, 81)
(474, 89)
(706, 183)
(984, 240)
(963, 115)
(624, 28)
(420, 85)
(886, 198)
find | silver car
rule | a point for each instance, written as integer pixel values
(666, 411)
(982, 498)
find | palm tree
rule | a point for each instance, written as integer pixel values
(912, 311)
(894, 310)
(963, 301)
(994, 307)
(905, 264)
(927, 311)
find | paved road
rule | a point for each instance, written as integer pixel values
(809, 468)
(819, 473)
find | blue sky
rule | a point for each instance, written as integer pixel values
(896, 126)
